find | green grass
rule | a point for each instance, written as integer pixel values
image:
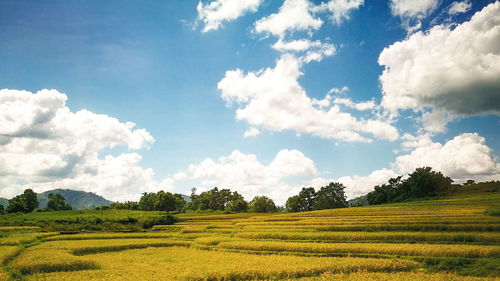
(77, 220)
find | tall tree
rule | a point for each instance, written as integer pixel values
(293, 204)
(262, 204)
(31, 200)
(330, 197)
(26, 202)
(147, 201)
(307, 199)
(237, 206)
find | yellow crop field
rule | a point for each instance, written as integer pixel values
(192, 264)
(393, 276)
(438, 240)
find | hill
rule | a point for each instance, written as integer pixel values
(77, 199)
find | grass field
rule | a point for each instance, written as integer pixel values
(456, 238)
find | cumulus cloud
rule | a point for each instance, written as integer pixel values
(215, 13)
(273, 99)
(45, 145)
(252, 132)
(412, 12)
(308, 50)
(360, 106)
(339, 9)
(459, 7)
(247, 175)
(453, 71)
(293, 15)
(465, 156)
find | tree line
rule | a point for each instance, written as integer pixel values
(422, 183)
(27, 202)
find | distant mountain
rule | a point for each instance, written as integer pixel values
(77, 199)
(358, 201)
(4, 202)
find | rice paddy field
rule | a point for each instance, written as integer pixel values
(456, 238)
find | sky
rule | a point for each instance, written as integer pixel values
(263, 97)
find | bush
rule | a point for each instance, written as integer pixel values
(163, 220)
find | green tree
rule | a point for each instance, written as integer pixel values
(147, 201)
(57, 202)
(213, 199)
(179, 202)
(164, 201)
(330, 197)
(17, 204)
(127, 205)
(237, 206)
(31, 200)
(293, 204)
(307, 198)
(26, 202)
(262, 204)
(2, 209)
(424, 182)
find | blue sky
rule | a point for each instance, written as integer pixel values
(157, 65)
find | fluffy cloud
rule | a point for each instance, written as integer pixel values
(454, 71)
(465, 156)
(412, 12)
(459, 7)
(339, 9)
(247, 175)
(45, 145)
(309, 50)
(272, 98)
(357, 185)
(216, 12)
(293, 15)
(252, 132)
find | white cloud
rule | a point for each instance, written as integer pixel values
(45, 145)
(247, 175)
(360, 106)
(411, 141)
(338, 90)
(339, 9)
(435, 121)
(459, 7)
(218, 11)
(272, 98)
(452, 71)
(465, 156)
(311, 50)
(412, 12)
(252, 132)
(357, 185)
(293, 15)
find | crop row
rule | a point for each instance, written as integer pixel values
(437, 250)
(463, 237)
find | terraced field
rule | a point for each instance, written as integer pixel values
(447, 239)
